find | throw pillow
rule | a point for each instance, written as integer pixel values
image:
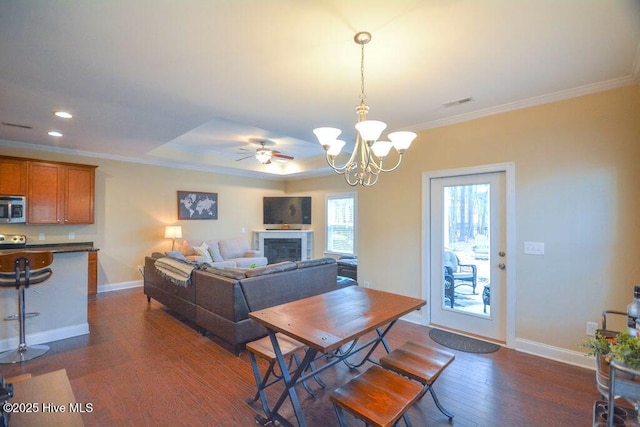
(203, 251)
(214, 251)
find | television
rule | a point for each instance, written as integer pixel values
(286, 210)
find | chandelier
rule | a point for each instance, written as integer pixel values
(366, 161)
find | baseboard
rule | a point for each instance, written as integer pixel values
(558, 354)
(413, 317)
(120, 286)
(46, 336)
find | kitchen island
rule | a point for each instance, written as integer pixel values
(61, 301)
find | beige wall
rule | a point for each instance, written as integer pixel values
(577, 167)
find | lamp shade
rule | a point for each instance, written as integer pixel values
(335, 147)
(326, 136)
(173, 232)
(402, 140)
(370, 130)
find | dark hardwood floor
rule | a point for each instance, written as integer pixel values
(141, 365)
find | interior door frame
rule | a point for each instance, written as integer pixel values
(509, 169)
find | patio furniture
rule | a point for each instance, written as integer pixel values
(463, 274)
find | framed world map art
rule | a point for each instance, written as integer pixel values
(196, 205)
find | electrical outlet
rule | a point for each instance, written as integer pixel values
(72, 235)
(365, 284)
(41, 236)
(591, 329)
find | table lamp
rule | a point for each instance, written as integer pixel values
(173, 232)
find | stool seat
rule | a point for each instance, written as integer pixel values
(419, 362)
(20, 270)
(378, 397)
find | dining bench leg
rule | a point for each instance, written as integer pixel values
(422, 363)
(263, 348)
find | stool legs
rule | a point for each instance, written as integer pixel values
(24, 352)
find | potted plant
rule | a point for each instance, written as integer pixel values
(623, 347)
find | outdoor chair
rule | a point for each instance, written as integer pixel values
(463, 274)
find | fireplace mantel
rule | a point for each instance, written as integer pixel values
(305, 237)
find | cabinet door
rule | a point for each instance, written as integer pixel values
(44, 195)
(13, 177)
(79, 195)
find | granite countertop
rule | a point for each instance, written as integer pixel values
(55, 247)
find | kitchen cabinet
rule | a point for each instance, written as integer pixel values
(13, 177)
(60, 193)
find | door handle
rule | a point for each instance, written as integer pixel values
(501, 266)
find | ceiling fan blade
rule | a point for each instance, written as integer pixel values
(245, 157)
(280, 155)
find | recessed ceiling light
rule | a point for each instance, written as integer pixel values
(54, 133)
(63, 114)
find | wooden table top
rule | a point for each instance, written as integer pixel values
(330, 320)
(50, 402)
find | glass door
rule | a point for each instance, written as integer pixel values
(467, 254)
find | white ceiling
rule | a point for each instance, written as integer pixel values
(192, 82)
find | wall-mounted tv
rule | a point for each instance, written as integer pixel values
(286, 210)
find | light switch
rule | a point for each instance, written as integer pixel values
(534, 248)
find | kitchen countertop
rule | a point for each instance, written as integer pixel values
(55, 247)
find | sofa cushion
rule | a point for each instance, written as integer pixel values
(231, 273)
(233, 248)
(313, 262)
(250, 262)
(271, 268)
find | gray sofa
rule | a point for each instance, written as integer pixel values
(219, 301)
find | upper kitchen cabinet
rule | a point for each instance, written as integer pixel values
(60, 193)
(13, 177)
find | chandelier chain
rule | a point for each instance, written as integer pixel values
(362, 95)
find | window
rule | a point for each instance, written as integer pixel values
(341, 223)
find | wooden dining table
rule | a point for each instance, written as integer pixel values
(332, 326)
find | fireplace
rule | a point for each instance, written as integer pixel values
(278, 250)
(284, 245)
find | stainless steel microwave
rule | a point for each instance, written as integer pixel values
(13, 209)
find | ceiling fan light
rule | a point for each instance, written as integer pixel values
(402, 140)
(370, 130)
(326, 135)
(381, 148)
(263, 156)
(335, 147)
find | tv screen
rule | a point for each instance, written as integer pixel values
(287, 210)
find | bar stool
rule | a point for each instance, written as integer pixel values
(20, 270)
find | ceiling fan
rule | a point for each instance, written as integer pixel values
(264, 155)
